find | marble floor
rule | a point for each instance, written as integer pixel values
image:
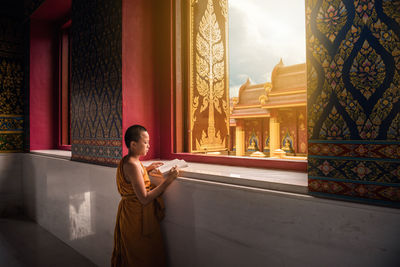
(25, 243)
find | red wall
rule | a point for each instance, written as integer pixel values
(43, 103)
(139, 93)
(148, 82)
(42, 86)
(165, 76)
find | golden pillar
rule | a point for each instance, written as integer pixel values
(239, 138)
(274, 129)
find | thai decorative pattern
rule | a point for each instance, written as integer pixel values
(353, 65)
(353, 190)
(394, 129)
(367, 71)
(224, 8)
(302, 133)
(361, 150)
(96, 83)
(331, 18)
(11, 142)
(11, 86)
(360, 170)
(334, 127)
(208, 79)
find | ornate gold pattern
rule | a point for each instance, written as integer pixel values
(209, 79)
(224, 8)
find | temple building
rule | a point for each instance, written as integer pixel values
(269, 119)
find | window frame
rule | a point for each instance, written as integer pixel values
(64, 106)
(172, 117)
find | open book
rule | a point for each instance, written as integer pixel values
(168, 165)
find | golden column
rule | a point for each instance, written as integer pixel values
(239, 137)
(273, 134)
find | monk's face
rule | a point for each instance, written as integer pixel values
(143, 145)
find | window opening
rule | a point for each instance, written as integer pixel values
(247, 84)
(64, 87)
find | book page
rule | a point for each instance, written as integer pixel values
(168, 165)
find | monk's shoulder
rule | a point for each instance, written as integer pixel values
(131, 168)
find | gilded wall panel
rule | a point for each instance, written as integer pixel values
(12, 120)
(208, 76)
(353, 56)
(302, 131)
(96, 83)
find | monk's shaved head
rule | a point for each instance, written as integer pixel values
(133, 133)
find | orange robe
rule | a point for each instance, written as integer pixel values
(137, 236)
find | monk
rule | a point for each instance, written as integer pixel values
(137, 236)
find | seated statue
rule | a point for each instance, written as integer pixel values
(287, 146)
(253, 146)
(266, 147)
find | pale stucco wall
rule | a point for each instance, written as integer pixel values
(211, 224)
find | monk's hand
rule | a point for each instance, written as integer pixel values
(155, 172)
(154, 165)
(172, 174)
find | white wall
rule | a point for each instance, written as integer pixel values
(76, 202)
(218, 225)
(10, 184)
(211, 224)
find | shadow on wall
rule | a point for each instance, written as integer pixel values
(10, 185)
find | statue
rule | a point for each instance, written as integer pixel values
(253, 146)
(266, 147)
(287, 143)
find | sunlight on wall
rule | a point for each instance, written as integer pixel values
(80, 216)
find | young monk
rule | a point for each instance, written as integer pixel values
(137, 235)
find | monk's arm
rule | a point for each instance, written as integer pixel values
(135, 176)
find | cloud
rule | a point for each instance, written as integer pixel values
(260, 33)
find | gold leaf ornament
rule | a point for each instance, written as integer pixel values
(202, 66)
(219, 69)
(204, 105)
(218, 51)
(224, 8)
(217, 107)
(202, 46)
(195, 106)
(210, 72)
(202, 86)
(219, 89)
(225, 106)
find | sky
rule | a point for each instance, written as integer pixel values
(261, 32)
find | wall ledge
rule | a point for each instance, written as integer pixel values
(54, 153)
(271, 179)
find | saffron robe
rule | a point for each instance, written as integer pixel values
(137, 235)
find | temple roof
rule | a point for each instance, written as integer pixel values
(288, 78)
(288, 88)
